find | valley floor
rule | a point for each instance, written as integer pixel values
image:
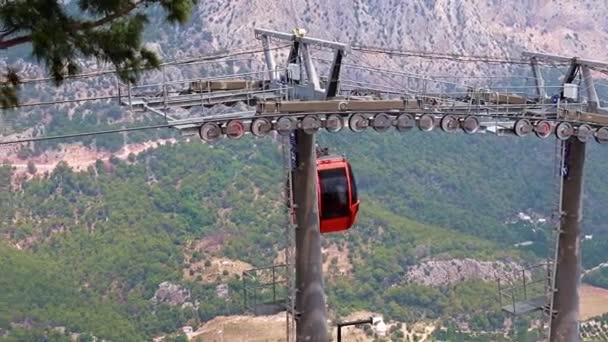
(594, 301)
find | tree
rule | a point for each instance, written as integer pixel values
(31, 167)
(61, 32)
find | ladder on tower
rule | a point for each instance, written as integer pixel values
(553, 248)
(286, 146)
(518, 295)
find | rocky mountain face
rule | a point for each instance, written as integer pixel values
(473, 27)
(447, 272)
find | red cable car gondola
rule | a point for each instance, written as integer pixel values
(338, 200)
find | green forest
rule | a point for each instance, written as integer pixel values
(102, 240)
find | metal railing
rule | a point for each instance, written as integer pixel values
(265, 286)
(523, 286)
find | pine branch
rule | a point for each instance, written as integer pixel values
(8, 32)
(114, 34)
(108, 18)
(5, 44)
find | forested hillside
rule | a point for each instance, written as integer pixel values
(473, 183)
(118, 230)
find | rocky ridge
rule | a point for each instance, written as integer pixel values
(449, 272)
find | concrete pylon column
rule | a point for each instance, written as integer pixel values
(565, 325)
(310, 297)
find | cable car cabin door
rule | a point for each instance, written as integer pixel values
(338, 201)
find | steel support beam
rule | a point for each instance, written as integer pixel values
(548, 57)
(311, 71)
(565, 324)
(538, 78)
(310, 297)
(294, 52)
(334, 75)
(302, 39)
(570, 74)
(270, 64)
(593, 99)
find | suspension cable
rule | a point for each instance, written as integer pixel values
(445, 56)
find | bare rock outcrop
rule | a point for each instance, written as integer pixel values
(446, 272)
(171, 294)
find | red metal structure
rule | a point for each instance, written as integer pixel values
(337, 191)
(338, 199)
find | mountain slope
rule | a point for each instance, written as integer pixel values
(36, 294)
(122, 228)
(444, 25)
